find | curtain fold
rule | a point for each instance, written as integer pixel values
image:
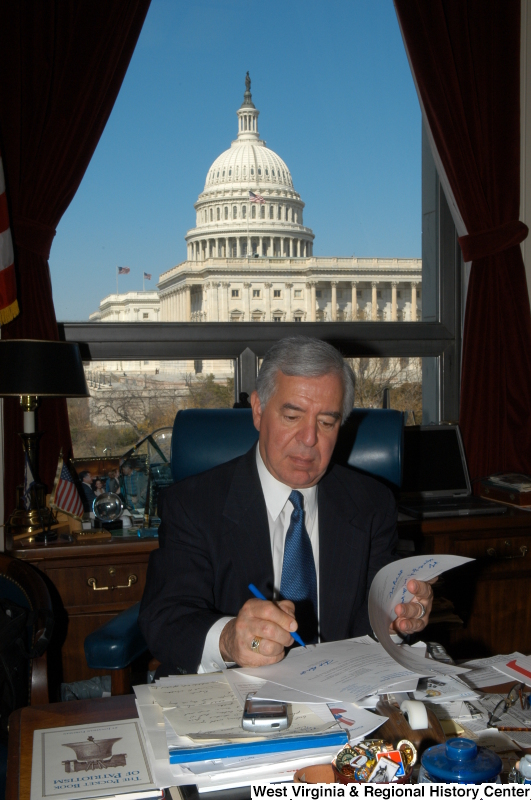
(465, 56)
(62, 64)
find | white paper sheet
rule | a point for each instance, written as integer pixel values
(442, 689)
(335, 671)
(516, 667)
(389, 588)
(483, 673)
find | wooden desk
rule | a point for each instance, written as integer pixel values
(79, 607)
(492, 594)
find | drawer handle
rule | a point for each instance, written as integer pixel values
(92, 582)
(493, 554)
(132, 579)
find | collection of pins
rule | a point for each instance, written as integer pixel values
(376, 761)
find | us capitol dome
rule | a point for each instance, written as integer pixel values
(249, 206)
(251, 258)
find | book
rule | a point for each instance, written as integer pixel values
(95, 760)
(501, 493)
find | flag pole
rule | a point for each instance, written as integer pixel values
(143, 281)
(116, 280)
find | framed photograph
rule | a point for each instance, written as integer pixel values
(97, 476)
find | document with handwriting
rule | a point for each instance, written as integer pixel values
(335, 670)
(389, 588)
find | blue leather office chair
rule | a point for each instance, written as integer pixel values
(371, 440)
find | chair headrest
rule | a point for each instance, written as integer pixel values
(371, 440)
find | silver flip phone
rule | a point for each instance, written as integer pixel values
(264, 716)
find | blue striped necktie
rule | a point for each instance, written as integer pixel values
(299, 578)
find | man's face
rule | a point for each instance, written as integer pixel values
(87, 478)
(299, 427)
(126, 470)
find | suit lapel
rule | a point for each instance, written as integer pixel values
(246, 528)
(340, 526)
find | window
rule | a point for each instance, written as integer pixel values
(146, 363)
(271, 212)
(235, 293)
(253, 212)
(259, 170)
(277, 318)
(244, 212)
(339, 293)
(226, 212)
(211, 215)
(252, 170)
(218, 213)
(359, 292)
(145, 315)
(287, 213)
(297, 293)
(234, 212)
(277, 293)
(262, 212)
(297, 319)
(279, 215)
(318, 293)
(378, 293)
(257, 292)
(398, 294)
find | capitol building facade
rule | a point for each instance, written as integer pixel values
(250, 258)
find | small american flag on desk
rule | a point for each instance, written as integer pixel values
(65, 496)
(256, 198)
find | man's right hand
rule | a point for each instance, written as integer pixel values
(258, 619)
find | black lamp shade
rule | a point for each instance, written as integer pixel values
(41, 368)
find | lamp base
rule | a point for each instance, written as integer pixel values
(29, 520)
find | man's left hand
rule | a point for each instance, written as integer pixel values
(413, 617)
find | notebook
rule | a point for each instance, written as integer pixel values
(435, 479)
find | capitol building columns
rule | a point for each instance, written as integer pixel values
(394, 284)
(413, 302)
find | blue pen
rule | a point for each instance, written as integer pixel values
(258, 594)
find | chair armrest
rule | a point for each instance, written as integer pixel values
(117, 643)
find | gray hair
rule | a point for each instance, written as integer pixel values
(304, 357)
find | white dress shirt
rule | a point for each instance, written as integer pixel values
(279, 510)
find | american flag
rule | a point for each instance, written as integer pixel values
(256, 198)
(147, 276)
(65, 495)
(123, 270)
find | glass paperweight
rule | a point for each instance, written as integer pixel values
(108, 507)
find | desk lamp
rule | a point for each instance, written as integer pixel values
(31, 369)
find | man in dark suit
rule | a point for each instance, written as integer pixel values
(281, 517)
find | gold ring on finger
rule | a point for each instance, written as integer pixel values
(255, 644)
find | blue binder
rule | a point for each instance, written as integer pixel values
(183, 755)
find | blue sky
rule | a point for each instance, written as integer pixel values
(337, 103)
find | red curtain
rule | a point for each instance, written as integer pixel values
(465, 56)
(62, 64)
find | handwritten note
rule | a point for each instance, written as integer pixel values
(389, 588)
(193, 694)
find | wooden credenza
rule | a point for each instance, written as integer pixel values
(77, 575)
(491, 594)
